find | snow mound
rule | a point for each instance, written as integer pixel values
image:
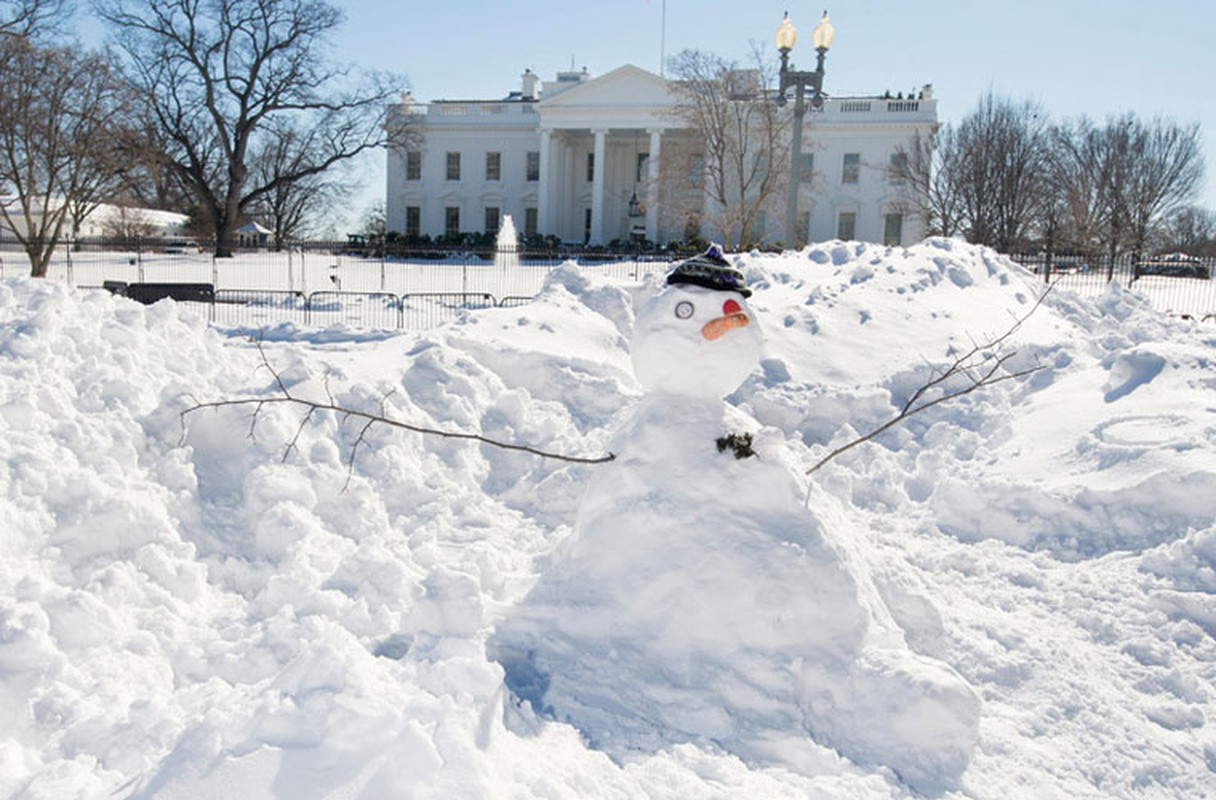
(209, 612)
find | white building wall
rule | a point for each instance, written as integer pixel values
(472, 130)
(874, 129)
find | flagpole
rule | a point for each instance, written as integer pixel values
(663, 43)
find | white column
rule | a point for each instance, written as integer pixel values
(597, 188)
(544, 225)
(652, 185)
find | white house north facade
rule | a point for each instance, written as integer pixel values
(582, 162)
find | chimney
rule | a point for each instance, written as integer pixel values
(531, 86)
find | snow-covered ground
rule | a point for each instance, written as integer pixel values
(231, 607)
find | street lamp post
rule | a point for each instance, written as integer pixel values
(800, 82)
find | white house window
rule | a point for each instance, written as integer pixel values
(807, 169)
(898, 167)
(696, 171)
(413, 166)
(851, 171)
(590, 167)
(413, 220)
(492, 219)
(846, 226)
(493, 166)
(643, 170)
(893, 229)
(530, 222)
(533, 165)
(453, 166)
(451, 220)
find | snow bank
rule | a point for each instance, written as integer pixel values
(221, 615)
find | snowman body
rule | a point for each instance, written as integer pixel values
(698, 600)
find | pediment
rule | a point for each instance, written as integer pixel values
(624, 87)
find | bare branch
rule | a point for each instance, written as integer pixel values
(369, 419)
(313, 406)
(966, 366)
(354, 448)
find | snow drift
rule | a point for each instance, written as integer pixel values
(234, 608)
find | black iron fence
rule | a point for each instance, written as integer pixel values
(394, 285)
(1176, 284)
(327, 266)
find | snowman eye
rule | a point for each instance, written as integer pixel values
(684, 309)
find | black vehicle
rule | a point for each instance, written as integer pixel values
(1175, 265)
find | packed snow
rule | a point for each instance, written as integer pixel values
(1007, 595)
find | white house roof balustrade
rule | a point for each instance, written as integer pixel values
(546, 142)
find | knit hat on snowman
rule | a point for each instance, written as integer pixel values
(709, 270)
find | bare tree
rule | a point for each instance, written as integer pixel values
(62, 116)
(1190, 229)
(1002, 164)
(129, 223)
(1082, 173)
(743, 138)
(147, 178)
(1167, 173)
(293, 207)
(927, 169)
(1125, 177)
(33, 19)
(375, 220)
(216, 75)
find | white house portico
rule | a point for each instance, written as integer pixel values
(600, 148)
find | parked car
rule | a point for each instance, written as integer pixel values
(179, 246)
(1176, 265)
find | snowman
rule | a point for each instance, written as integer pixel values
(698, 599)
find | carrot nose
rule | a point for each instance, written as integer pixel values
(717, 327)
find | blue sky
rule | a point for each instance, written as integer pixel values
(1075, 58)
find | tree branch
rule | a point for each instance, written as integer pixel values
(369, 419)
(966, 366)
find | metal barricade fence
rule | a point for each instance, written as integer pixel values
(259, 306)
(421, 311)
(417, 311)
(354, 309)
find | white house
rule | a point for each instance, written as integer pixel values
(569, 162)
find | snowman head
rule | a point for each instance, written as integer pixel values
(697, 336)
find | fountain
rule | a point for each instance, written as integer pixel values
(506, 247)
